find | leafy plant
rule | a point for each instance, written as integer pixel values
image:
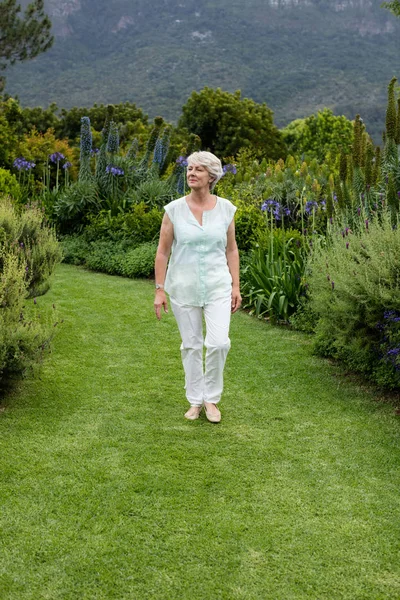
(273, 280)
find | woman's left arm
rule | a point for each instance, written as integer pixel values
(232, 257)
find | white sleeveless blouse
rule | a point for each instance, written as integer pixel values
(198, 270)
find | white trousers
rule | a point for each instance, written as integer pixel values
(204, 384)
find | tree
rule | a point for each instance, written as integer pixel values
(319, 134)
(393, 6)
(226, 123)
(22, 38)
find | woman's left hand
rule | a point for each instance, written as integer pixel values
(236, 299)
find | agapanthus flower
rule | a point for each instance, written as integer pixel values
(56, 157)
(392, 315)
(275, 208)
(311, 206)
(182, 161)
(229, 169)
(114, 170)
(94, 151)
(22, 164)
(323, 204)
(67, 165)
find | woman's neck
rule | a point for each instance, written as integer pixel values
(200, 196)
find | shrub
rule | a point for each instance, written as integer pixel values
(105, 256)
(139, 262)
(75, 249)
(119, 258)
(23, 339)
(9, 185)
(354, 284)
(28, 233)
(249, 223)
(138, 225)
(273, 279)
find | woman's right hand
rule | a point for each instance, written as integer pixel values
(160, 301)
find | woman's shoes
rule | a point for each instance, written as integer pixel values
(212, 414)
(193, 413)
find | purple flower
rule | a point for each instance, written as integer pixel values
(94, 151)
(229, 169)
(398, 193)
(347, 245)
(393, 352)
(67, 165)
(333, 285)
(56, 157)
(359, 211)
(331, 220)
(323, 204)
(23, 165)
(334, 198)
(311, 206)
(115, 171)
(182, 161)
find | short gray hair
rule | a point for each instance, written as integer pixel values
(210, 162)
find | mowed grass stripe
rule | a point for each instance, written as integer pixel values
(107, 492)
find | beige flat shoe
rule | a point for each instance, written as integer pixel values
(193, 413)
(213, 418)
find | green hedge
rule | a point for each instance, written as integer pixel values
(113, 257)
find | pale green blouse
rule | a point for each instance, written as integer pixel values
(198, 270)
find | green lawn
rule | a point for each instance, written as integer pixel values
(109, 493)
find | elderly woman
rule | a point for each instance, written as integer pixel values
(202, 279)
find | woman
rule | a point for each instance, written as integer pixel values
(202, 278)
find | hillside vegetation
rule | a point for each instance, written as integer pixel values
(295, 55)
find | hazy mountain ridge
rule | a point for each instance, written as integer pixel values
(296, 55)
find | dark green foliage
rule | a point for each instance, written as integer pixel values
(397, 138)
(114, 258)
(22, 38)
(86, 148)
(393, 6)
(139, 224)
(377, 166)
(226, 122)
(369, 155)
(74, 205)
(391, 115)
(343, 166)
(75, 249)
(339, 194)
(272, 281)
(357, 142)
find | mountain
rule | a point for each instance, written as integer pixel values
(295, 55)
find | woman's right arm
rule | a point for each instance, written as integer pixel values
(160, 267)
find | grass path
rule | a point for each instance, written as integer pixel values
(108, 493)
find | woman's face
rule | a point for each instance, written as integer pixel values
(198, 177)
